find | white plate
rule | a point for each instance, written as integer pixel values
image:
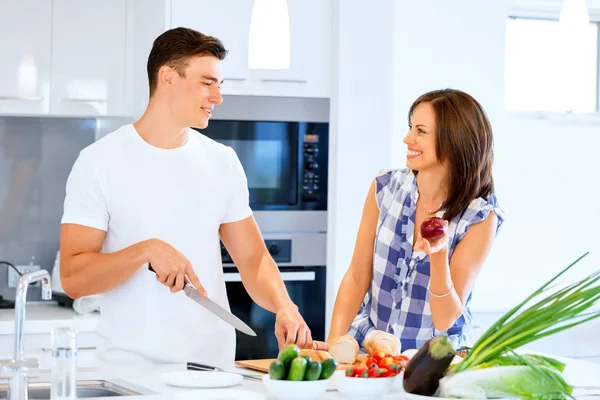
(219, 394)
(202, 379)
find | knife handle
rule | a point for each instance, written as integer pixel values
(152, 270)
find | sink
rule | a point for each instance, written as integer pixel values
(85, 389)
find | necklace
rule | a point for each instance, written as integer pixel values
(426, 210)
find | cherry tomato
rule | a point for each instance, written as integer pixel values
(378, 356)
(358, 370)
(385, 362)
(373, 372)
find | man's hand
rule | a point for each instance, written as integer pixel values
(290, 328)
(171, 267)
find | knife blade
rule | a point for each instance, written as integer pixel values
(214, 308)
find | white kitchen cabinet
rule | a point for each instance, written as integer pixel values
(89, 42)
(310, 59)
(229, 20)
(25, 48)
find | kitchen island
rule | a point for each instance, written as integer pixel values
(147, 381)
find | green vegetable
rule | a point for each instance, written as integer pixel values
(277, 370)
(526, 359)
(521, 381)
(493, 369)
(297, 369)
(313, 371)
(328, 368)
(554, 313)
(307, 358)
(287, 354)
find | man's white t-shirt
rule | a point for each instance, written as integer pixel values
(135, 191)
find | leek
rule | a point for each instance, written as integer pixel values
(493, 369)
(559, 311)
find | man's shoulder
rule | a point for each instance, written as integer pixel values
(219, 150)
(108, 145)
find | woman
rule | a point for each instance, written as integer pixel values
(417, 289)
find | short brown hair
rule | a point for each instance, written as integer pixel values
(463, 138)
(176, 46)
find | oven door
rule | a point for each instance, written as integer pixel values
(269, 153)
(306, 287)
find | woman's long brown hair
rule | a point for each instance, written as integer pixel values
(464, 139)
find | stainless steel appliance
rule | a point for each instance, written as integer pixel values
(286, 166)
(285, 162)
(301, 258)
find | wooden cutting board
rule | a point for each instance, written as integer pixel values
(263, 365)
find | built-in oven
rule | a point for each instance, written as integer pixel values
(285, 162)
(286, 167)
(301, 261)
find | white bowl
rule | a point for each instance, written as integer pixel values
(362, 388)
(284, 390)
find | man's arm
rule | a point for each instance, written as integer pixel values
(262, 280)
(84, 270)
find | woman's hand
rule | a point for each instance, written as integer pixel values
(434, 246)
(318, 345)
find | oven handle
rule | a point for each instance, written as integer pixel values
(302, 276)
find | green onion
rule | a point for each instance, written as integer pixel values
(554, 313)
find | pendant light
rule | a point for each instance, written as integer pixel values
(269, 36)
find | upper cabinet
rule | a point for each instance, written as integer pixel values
(309, 74)
(25, 47)
(228, 20)
(89, 57)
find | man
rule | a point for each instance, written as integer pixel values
(158, 192)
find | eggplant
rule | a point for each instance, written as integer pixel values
(424, 371)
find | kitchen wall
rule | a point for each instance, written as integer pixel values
(36, 157)
(545, 169)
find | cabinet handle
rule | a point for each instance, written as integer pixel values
(285, 80)
(80, 100)
(234, 79)
(47, 350)
(306, 276)
(21, 98)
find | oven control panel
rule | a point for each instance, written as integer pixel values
(280, 250)
(314, 169)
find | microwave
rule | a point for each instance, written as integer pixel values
(286, 163)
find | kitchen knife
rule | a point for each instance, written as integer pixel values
(192, 366)
(214, 308)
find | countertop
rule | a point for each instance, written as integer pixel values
(147, 380)
(41, 317)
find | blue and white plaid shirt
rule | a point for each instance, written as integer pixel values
(398, 299)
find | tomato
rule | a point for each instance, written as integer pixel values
(373, 372)
(358, 370)
(402, 360)
(350, 372)
(384, 372)
(378, 356)
(370, 361)
(385, 362)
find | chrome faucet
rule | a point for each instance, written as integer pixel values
(18, 366)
